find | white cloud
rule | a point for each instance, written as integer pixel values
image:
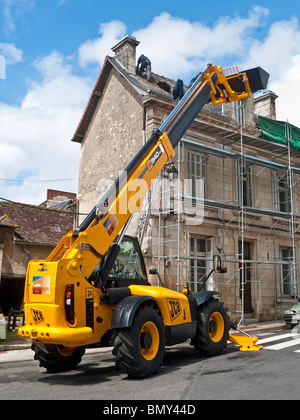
(59, 88)
(176, 46)
(13, 9)
(35, 137)
(179, 47)
(287, 87)
(277, 50)
(279, 54)
(95, 51)
(11, 53)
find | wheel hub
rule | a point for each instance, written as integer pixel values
(212, 326)
(216, 326)
(146, 340)
(149, 340)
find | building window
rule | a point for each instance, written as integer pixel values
(244, 184)
(281, 193)
(286, 277)
(200, 251)
(196, 172)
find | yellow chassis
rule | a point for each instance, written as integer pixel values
(80, 336)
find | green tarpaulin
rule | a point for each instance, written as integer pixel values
(280, 132)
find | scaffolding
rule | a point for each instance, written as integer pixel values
(257, 239)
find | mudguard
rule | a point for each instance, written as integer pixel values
(202, 297)
(125, 310)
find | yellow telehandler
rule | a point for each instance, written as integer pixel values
(93, 287)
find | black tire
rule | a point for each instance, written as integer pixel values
(212, 330)
(139, 349)
(56, 358)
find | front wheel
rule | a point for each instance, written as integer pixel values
(57, 358)
(139, 349)
(212, 328)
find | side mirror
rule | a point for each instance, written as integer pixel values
(217, 265)
(154, 271)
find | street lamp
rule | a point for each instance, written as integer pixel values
(172, 172)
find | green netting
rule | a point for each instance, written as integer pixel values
(279, 132)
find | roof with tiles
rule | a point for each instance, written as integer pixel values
(124, 63)
(141, 85)
(35, 225)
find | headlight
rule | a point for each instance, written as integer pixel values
(289, 312)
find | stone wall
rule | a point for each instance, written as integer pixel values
(113, 139)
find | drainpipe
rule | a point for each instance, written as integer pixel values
(144, 124)
(28, 254)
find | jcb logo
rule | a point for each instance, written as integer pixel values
(37, 315)
(155, 156)
(174, 308)
(149, 164)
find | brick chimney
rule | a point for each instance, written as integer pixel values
(125, 52)
(264, 105)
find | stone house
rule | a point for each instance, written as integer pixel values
(243, 187)
(28, 232)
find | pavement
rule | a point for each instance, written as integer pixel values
(19, 349)
(262, 327)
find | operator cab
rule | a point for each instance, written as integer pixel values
(128, 268)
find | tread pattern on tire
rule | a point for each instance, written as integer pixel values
(127, 349)
(54, 362)
(202, 341)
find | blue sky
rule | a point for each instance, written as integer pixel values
(54, 50)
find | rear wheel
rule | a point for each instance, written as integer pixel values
(57, 358)
(139, 349)
(212, 328)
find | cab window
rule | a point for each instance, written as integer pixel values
(129, 263)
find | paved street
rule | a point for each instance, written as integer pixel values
(272, 373)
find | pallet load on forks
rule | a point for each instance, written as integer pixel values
(93, 287)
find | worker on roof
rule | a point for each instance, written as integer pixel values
(193, 81)
(144, 64)
(178, 91)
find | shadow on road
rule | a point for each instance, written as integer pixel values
(93, 371)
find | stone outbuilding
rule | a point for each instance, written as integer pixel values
(27, 233)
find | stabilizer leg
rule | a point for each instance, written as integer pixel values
(245, 341)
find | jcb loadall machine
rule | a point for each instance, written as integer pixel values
(93, 286)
